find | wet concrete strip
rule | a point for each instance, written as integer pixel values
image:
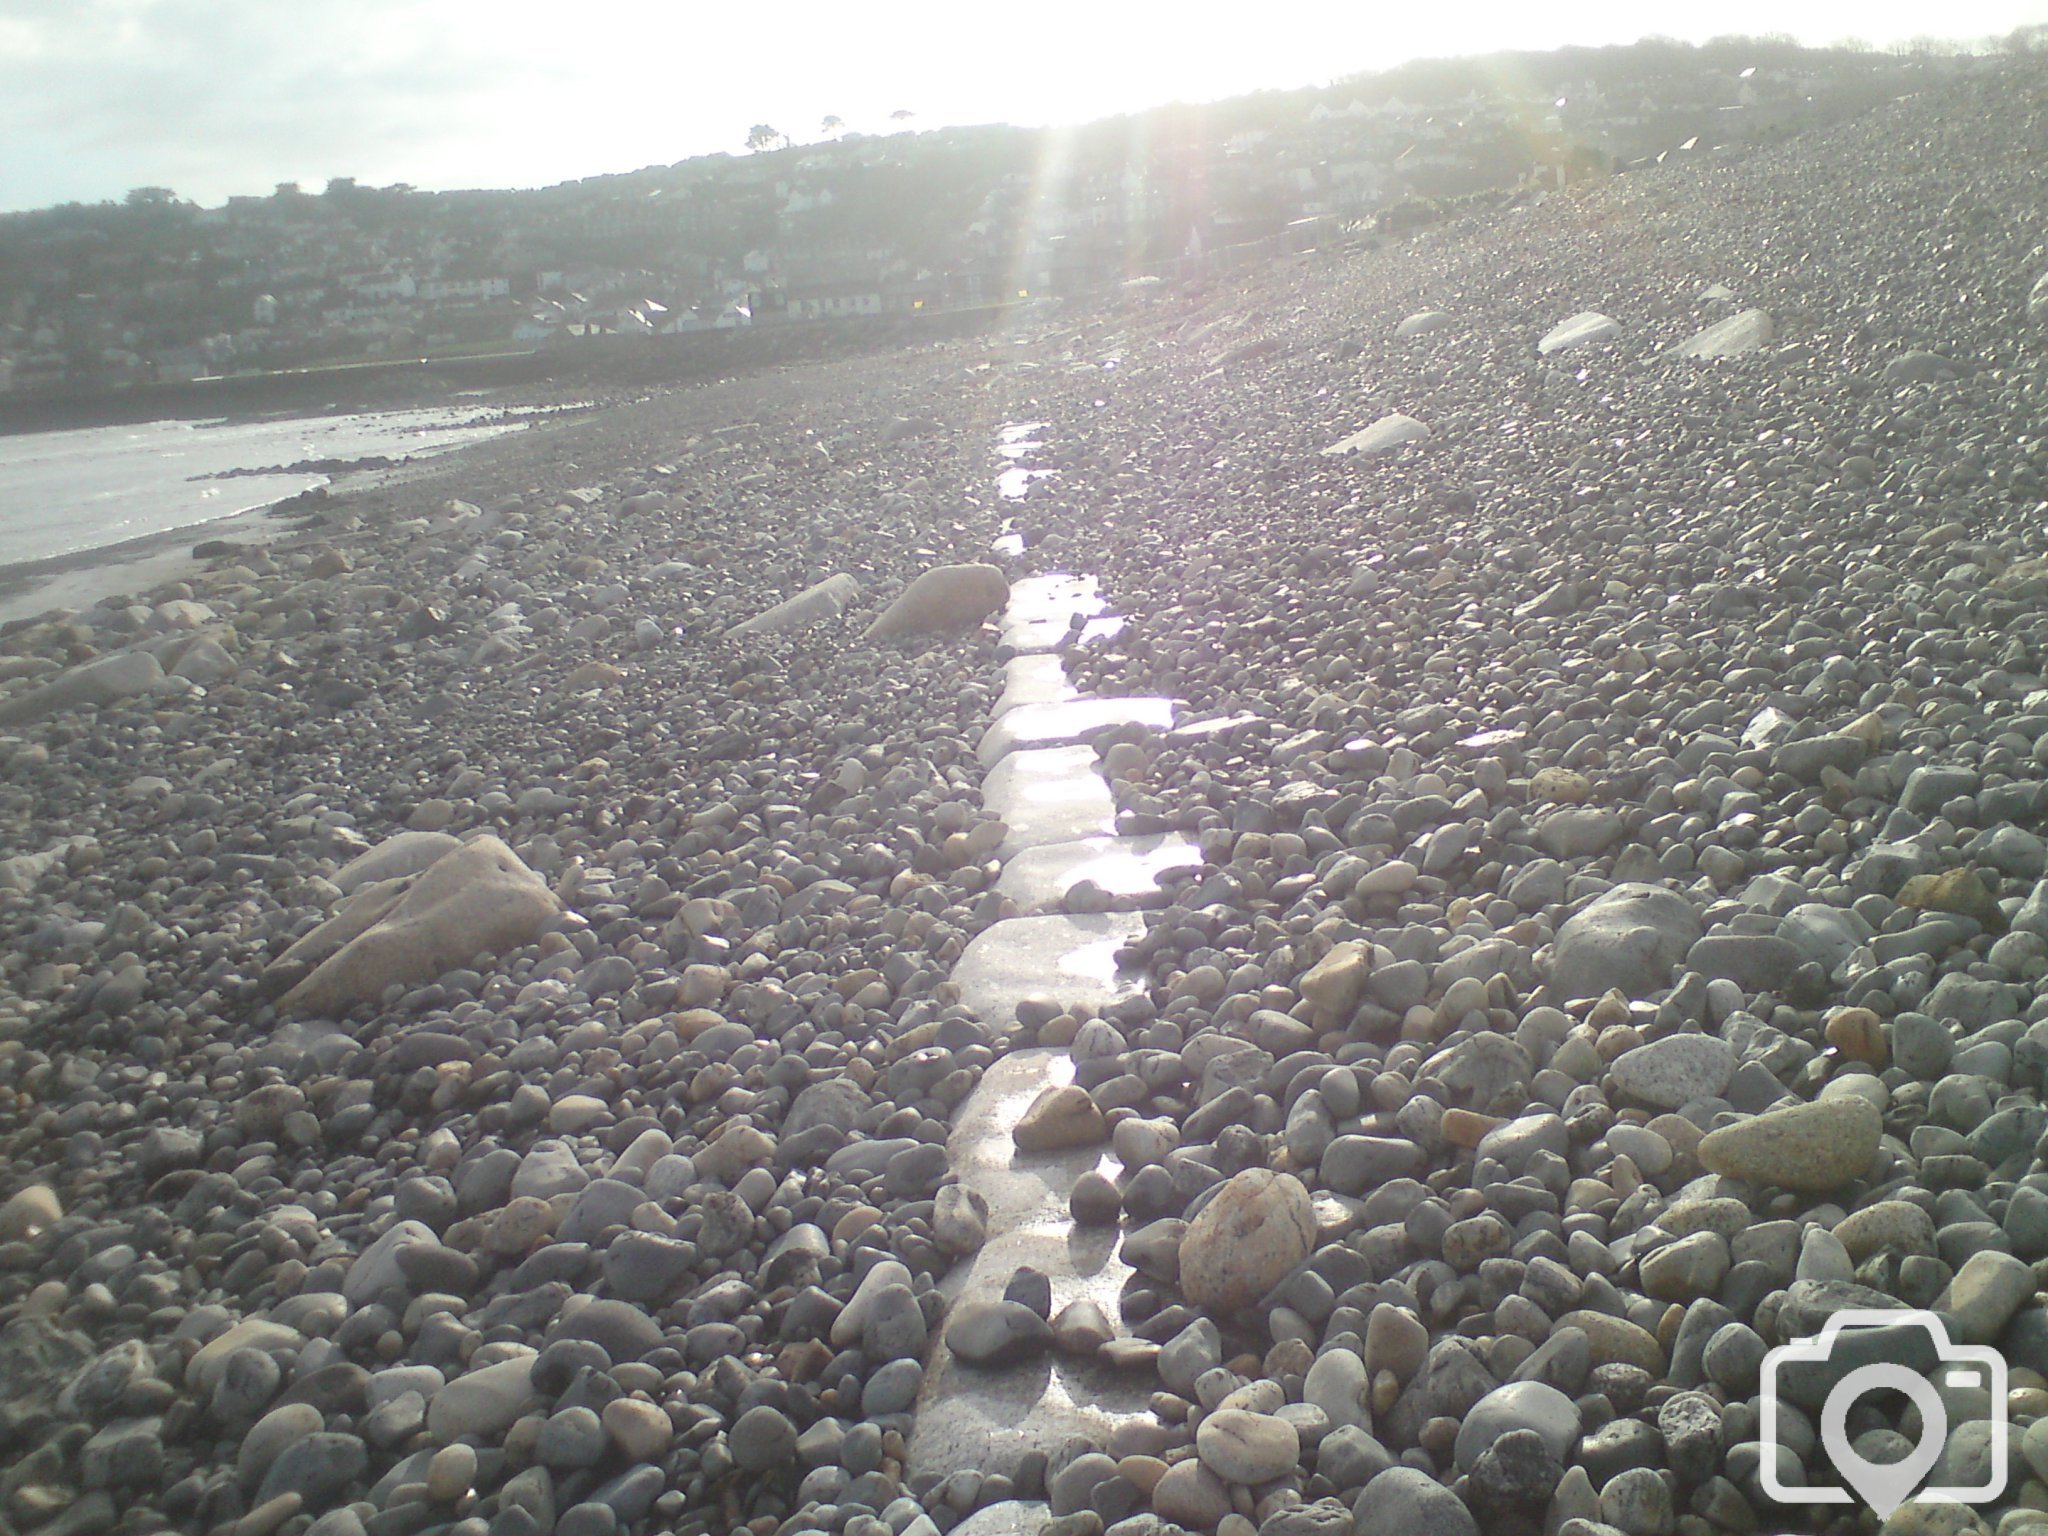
(1039, 679)
(988, 1419)
(1043, 609)
(1052, 725)
(1049, 795)
(1061, 817)
(1125, 870)
(1061, 959)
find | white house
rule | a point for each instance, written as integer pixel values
(437, 290)
(381, 287)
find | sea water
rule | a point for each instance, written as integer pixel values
(65, 492)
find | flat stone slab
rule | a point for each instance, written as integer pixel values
(1042, 610)
(1738, 334)
(1383, 436)
(826, 600)
(1049, 725)
(1127, 868)
(1221, 725)
(1011, 1517)
(1048, 795)
(1582, 329)
(1062, 959)
(1036, 679)
(1422, 323)
(972, 1417)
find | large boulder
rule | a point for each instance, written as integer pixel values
(205, 661)
(105, 681)
(1062, 1116)
(477, 899)
(1671, 1072)
(946, 597)
(1628, 938)
(824, 600)
(396, 858)
(1739, 333)
(1246, 1240)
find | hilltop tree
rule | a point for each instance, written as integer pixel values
(833, 123)
(765, 136)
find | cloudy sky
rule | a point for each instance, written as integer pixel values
(212, 97)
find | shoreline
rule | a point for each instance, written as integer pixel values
(32, 590)
(79, 579)
(578, 384)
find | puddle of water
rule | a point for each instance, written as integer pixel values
(1015, 483)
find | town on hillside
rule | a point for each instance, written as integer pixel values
(157, 289)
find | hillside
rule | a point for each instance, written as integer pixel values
(156, 289)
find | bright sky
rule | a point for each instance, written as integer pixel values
(212, 97)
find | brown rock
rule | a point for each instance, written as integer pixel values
(1335, 984)
(1616, 1340)
(1467, 1128)
(1561, 786)
(1858, 1034)
(1817, 1146)
(1061, 1116)
(1244, 1242)
(1957, 890)
(593, 674)
(947, 597)
(479, 899)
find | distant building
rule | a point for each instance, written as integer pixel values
(443, 290)
(823, 301)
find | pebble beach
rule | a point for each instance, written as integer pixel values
(1319, 901)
